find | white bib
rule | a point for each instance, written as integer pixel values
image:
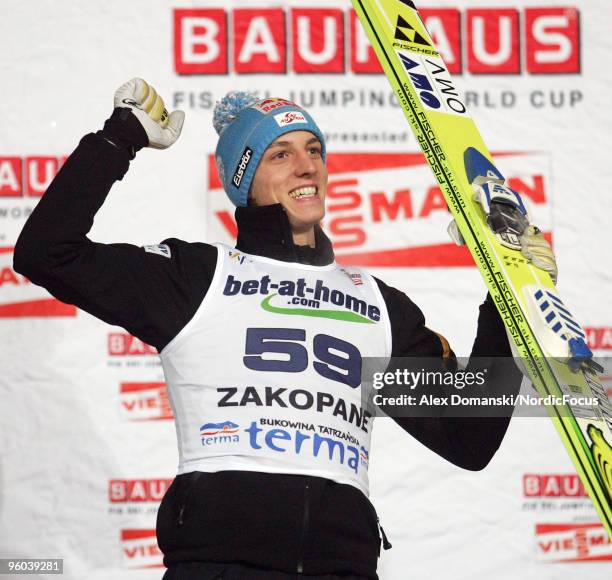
(267, 374)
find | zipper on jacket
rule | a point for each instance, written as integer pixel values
(192, 481)
(385, 542)
(305, 522)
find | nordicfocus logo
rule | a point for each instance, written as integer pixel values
(244, 163)
(289, 118)
(314, 40)
(305, 439)
(299, 299)
(387, 210)
(214, 433)
(556, 543)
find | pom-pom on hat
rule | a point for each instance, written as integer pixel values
(246, 126)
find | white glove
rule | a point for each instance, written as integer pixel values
(507, 216)
(537, 250)
(148, 107)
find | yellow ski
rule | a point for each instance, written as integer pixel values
(549, 341)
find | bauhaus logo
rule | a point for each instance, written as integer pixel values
(553, 485)
(306, 40)
(137, 490)
(20, 298)
(374, 219)
(124, 344)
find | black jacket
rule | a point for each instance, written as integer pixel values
(284, 522)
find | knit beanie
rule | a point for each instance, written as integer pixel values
(246, 126)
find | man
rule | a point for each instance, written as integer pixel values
(261, 344)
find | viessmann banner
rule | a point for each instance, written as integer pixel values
(88, 441)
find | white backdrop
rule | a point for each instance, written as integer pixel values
(88, 445)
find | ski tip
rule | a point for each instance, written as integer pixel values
(479, 169)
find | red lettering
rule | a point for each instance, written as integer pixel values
(356, 235)
(352, 198)
(531, 485)
(200, 41)
(534, 192)
(380, 203)
(8, 276)
(11, 184)
(433, 201)
(117, 490)
(318, 40)
(599, 338)
(493, 41)
(550, 486)
(142, 551)
(137, 490)
(116, 343)
(39, 173)
(552, 40)
(259, 40)
(547, 546)
(444, 27)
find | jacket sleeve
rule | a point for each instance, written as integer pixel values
(467, 441)
(151, 295)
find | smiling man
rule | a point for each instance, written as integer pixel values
(262, 344)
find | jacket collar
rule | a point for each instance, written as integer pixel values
(265, 231)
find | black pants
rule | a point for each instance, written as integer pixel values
(215, 571)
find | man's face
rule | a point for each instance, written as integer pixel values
(292, 172)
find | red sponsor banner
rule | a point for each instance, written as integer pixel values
(493, 41)
(599, 337)
(553, 485)
(374, 220)
(318, 40)
(124, 344)
(573, 543)
(553, 40)
(27, 176)
(259, 40)
(200, 41)
(137, 490)
(139, 549)
(145, 402)
(20, 298)
(311, 40)
(11, 181)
